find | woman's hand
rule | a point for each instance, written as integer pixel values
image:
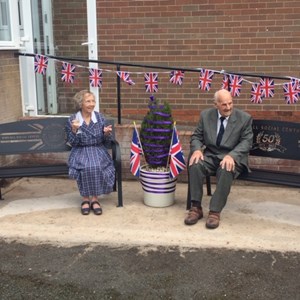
(75, 125)
(107, 130)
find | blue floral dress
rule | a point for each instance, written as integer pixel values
(89, 161)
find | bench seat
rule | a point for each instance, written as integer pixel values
(46, 135)
(272, 139)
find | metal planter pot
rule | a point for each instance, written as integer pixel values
(158, 187)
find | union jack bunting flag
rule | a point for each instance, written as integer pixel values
(267, 87)
(225, 82)
(135, 153)
(125, 76)
(291, 94)
(256, 93)
(40, 64)
(205, 79)
(151, 82)
(176, 77)
(67, 72)
(177, 161)
(95, 77)
(235, 84)
(296, 82)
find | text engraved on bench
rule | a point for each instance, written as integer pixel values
(44, 135)
(276, 139)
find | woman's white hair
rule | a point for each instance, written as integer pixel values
(78, 98)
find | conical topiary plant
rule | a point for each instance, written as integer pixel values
(156, 133)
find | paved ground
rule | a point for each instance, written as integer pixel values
(49, 251)
(47, 210)
(98, 272)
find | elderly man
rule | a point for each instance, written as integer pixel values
(219, 146)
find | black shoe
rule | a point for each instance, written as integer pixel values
(85, 210)
(97, 210)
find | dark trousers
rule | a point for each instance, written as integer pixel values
(197, 174)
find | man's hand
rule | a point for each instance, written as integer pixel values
(196, 156)
(227, 163)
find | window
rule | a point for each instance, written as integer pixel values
(9, 24)
(5, 32)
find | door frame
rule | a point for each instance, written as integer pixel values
(93, 43)
(27, 74)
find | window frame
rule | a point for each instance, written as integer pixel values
(13, 17)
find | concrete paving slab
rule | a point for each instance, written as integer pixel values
(46, 210)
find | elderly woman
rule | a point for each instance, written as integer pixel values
(89, 161)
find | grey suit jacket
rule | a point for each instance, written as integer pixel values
(237, 139)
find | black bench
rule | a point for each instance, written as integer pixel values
(274, 139)
(45, 135)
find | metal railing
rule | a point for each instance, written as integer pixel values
(119, 64)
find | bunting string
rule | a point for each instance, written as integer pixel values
(232, 81)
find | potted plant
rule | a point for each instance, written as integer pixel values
(155, 137)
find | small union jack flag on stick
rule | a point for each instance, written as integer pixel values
(67, 72)
(176, 77)
(267, 87)
(205, 79)
(135, 153)
(235, 85)
(291, 94)
(256, 94)
(125, 76)
(151, 82)
(177, 161)
(95, 77)
(40, 64)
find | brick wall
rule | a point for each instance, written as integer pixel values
(10, 99)
(242, 36)
(260, 37)
(10, 90)
(124, 136)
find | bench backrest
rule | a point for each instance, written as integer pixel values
(276, 139)
(38, 135)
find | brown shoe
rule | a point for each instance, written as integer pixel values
(213, 220)
(194, 214)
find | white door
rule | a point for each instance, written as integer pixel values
(92, 42)
(40, 92)
(37, 46)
